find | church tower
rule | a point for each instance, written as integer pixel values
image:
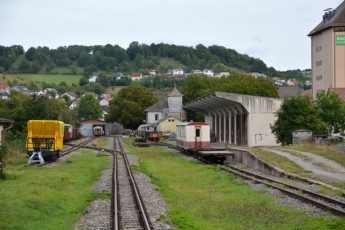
(175, 104)
(175, 101)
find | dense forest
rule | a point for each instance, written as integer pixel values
(137, 57)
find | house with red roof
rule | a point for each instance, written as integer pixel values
(136, 76)
(5, 88)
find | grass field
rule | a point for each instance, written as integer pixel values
(39, 78)
(199, 196)
(203, 197)
(49, 197)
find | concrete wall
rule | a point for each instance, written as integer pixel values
(252, 161)
(259, 130)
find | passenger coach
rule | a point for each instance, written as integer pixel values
(193, 135)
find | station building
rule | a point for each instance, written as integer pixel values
(237, 119)
(165, 114)
(86, 127)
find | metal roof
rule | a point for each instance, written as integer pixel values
(158, 107)
(211, 102)
(332, 18)
(237, 103)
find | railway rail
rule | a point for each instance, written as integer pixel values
(76, 146)
(127, 209)
(321, 201)
(326, 203)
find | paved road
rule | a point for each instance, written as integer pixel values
(317, 165)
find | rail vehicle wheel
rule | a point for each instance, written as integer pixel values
(57, 156)
(49, 158)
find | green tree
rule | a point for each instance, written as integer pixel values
(84, 59)
(89, 108)
(35, 67)
(200, 85)
(298, 112)
(30, 53)
(36, 108)
(94, 87)
(24, 66)
(128, 106)
(128, 113)
(138, 94)
(196, 86)
(332, 111)
(246, 84)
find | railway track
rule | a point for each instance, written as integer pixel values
(127, 209)
(321, 201)
(76, 146)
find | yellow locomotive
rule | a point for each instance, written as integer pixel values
(44, 140)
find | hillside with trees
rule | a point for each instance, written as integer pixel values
(79, 59)
(110, 59)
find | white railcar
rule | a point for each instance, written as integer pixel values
(193, 135)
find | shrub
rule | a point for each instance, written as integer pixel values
(3, 150)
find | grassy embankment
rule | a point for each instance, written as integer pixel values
(202, 197)
(49, 197)
(322, 150)
(290, 166)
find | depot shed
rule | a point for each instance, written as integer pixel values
(87, 126)
(238, 119)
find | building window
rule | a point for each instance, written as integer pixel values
(156, 117)
(318, 49)
(319, 77)
(318, 63)
(169, 120)
(173, 120)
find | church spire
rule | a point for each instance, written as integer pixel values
(175, 92)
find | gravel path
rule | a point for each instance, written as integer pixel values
(317, 165)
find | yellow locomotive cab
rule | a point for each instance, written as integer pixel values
(45, 139)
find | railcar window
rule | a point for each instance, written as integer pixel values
(197, 132)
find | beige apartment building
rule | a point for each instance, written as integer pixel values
(328, 51)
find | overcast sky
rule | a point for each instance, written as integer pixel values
(273, 30)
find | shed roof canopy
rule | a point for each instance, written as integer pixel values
(237, 103)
